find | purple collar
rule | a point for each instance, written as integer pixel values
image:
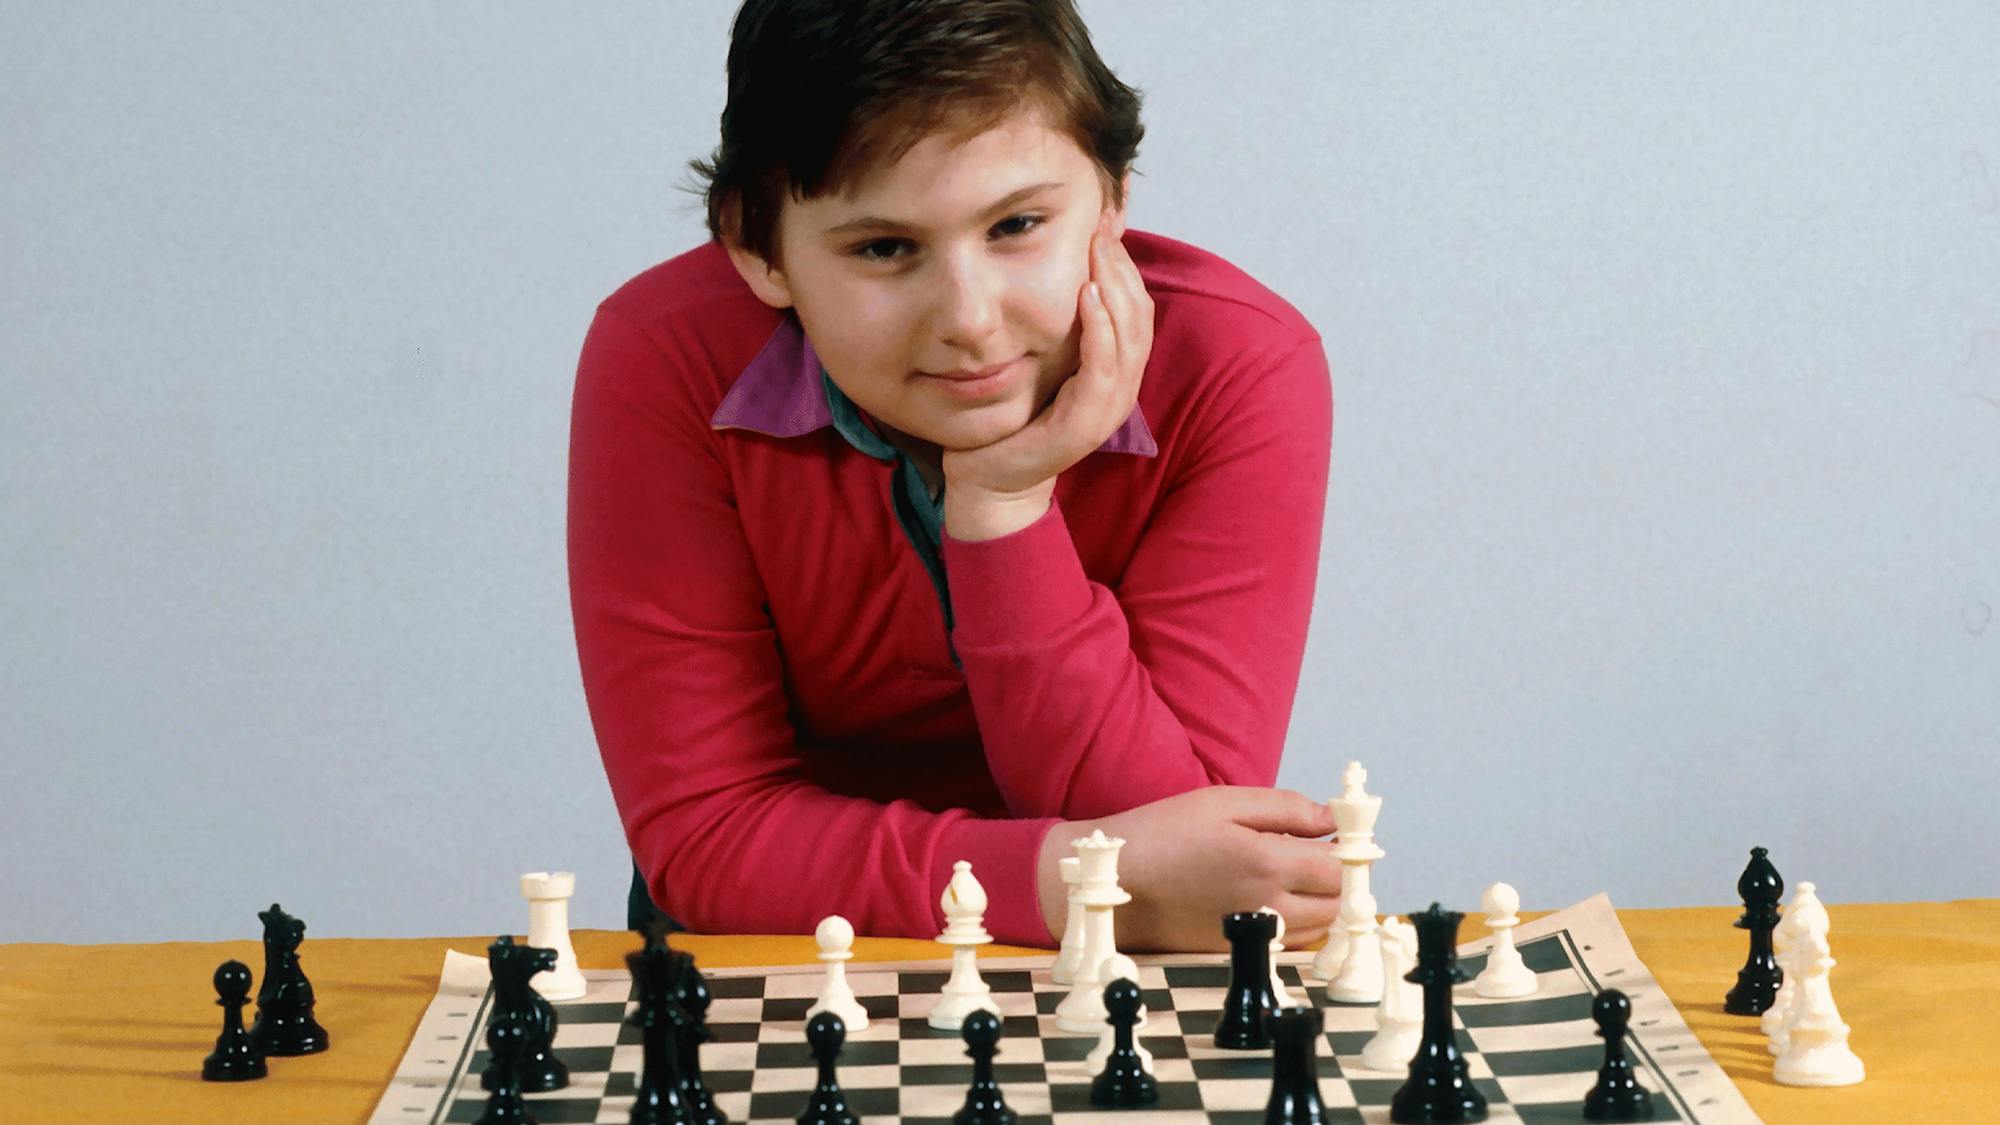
(780, 394)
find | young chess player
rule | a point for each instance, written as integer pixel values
(927, 513)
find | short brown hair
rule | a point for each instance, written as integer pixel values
(821, 91)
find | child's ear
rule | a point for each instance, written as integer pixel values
(764, 279)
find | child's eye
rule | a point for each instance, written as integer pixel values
(866, 251)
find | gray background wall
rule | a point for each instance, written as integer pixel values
(1663, 521)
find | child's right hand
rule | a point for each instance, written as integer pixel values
(1191, 858)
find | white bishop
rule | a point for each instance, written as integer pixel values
(964, 903)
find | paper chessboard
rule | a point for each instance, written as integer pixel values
(1534, 1058)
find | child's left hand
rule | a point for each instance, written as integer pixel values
(1090, 405)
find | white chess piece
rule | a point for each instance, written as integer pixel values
(1816, 1053)
(1399, 1021)
(835, 936)
(1082, 1011)
(548, 896)
(1278, 989)
(1359, 980)
(964, 903)
(1805, 911)
(1355, 813)
(1118, 967)
(1071, 954)
(1505, 973)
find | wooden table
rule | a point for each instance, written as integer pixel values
(118, 1032)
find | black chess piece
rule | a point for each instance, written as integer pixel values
(690, 991)
(984, 1104)
(513, 966)
(1124, 1081)
(236, 1058)
(825, 1032)
(659, 1100)
(1249, 1002)
(1437, 1089)
(1617, 1095)
(285, 1025)
(1757, 982)
(507, 1034)
(1295, 1096)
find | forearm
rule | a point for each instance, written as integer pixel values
(1074, 722)
(780, 859)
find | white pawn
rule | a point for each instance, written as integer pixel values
(1399, 1021)
(964, 903)
(1071, 955)
(548, 896)
(835, 936)
(1118, 967)
(1817, 1053)
(1505, 973)
(1805, 912)
(1359, 980)
(1278, 989)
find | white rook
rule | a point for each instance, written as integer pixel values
(548, 894)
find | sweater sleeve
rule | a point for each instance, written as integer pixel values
(683, 679)
(1092, 700)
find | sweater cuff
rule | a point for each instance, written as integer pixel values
(1002, 854)
(1025, 584)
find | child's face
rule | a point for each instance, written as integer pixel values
(961, 288)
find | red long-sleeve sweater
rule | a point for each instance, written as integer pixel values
(801, 714)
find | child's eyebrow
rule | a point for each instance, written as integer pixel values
(874, 223)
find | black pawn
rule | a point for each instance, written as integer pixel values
(1757, 982)
(1124, 1081)
(828, 1106)
(285, 1025)
(661, 1022)
(984, 1104)
(1295, 1096)
(506, 1039)
(1249, 1002)
(690, 991)
(1437, 1089)
(236, 1058)
(1617, 1095)
(512, 967)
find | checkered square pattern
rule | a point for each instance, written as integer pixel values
(1534, 1058)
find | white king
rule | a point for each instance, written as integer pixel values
(1351, 959)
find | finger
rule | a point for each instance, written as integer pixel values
(1105, 275)
(1308, 918)
(1276, 810)
(1090, 396)
(1124, 287)
(1303, 866)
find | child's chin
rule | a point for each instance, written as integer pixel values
(972, 429)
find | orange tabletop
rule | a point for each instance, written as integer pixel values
(118, 1032)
